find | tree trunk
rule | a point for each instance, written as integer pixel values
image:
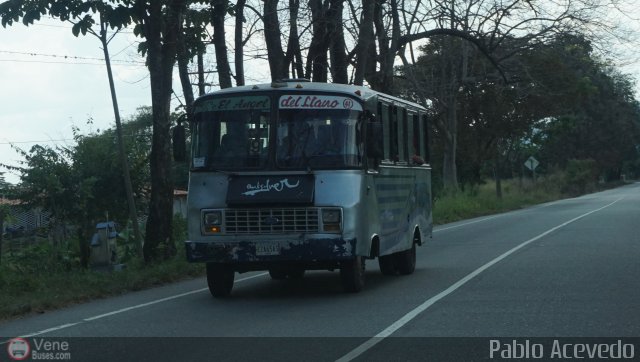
(497, 175)
(84, 237)
(1, 232)
(294, 56)
(449, 169)
(339, 61)
(183, 70)
(201, 85)
(220, 44)
(317, 65)
(388, 47)
(162, 36)
(272, 35)
(450, 67)
(239, 43)
(365, 40)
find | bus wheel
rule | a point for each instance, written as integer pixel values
(219, 279)
(352, 274)
(387, 264)
(406, 260)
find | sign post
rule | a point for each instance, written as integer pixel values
(531, 163)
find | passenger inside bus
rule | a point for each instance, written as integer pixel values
(233, 146)
(416, 159)
(318, 141)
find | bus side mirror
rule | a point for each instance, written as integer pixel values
(179, 143)
(374, 141)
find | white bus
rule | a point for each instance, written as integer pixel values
(294, 176)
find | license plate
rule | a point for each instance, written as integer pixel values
(268, 249)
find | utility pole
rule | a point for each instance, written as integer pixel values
(133, 219)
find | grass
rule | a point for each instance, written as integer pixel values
(482, 200)
(24, 291)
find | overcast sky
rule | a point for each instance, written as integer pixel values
(52, 81)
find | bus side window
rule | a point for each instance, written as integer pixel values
(375, 139)
(417, 155)
(393, 134)
(424, 135)
(384, 112)
(403, 136)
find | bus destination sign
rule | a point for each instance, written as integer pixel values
(303, 101)
(235, 104)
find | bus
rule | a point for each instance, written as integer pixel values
(294, 176)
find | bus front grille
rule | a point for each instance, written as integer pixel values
(271, 221)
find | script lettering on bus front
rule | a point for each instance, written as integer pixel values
(296, 101)
(267, 186)
(245, 103)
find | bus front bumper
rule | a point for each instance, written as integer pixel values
(262, 254)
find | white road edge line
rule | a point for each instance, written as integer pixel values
(63, 326)
(431, 301)
(143, 305)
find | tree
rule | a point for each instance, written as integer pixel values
(338, 47)
(365, 41)
(48, 180)
(80, 15)
(498, 30)
(561, 102)
(160, 22)
(218, 13)
(294, 53)
(80, 185)
(272, 36)
(4, 209)
(599, 121)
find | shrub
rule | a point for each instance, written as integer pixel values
(580, 177)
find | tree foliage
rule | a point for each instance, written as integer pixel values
(80, 185)
(562, 104)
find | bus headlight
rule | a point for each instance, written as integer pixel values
(212, 221)
(332, 219)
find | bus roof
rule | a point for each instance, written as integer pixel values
(364, 93)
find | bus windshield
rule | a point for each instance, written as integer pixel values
(311, 132)
(231, 133)
(318, 138)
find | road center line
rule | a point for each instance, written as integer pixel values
(63, 326)
(431, 301)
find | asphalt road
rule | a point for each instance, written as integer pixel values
(569, 268)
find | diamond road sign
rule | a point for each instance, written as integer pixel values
(531, 163)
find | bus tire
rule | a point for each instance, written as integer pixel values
(352, 274)
(387, 264)
(219, 279)
(406, 260)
